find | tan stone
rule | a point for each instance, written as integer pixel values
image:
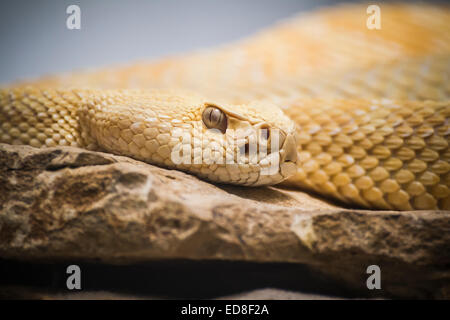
(68, 203)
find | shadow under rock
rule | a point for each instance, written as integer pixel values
(169, 279)
(261, 194)
(284, 195)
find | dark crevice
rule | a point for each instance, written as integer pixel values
(172, 278)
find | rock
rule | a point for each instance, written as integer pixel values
(260, 294)
(71, 204)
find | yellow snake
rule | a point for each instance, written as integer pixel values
(359, 115)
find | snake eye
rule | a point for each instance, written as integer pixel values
(214, 118)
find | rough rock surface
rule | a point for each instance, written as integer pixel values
(68, 203)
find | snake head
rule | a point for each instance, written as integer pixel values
(252, 144)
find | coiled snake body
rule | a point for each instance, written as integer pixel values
(362, 115)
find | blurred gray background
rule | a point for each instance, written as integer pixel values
(35, 40)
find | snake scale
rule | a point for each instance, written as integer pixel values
(362, 115)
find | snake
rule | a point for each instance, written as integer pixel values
(355, 114)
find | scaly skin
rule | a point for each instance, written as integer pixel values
(150, 126)
(377, 154)
(327, 72)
